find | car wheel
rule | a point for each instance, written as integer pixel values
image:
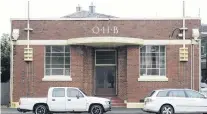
(41, 109)
(167, 109)
(96, 109)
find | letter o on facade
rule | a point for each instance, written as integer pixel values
(95, 30)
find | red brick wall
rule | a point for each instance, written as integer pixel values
(196, 68)
(82, 72)
(122, 72)
(178, 73)
(88, 74)
(133, 87)
(61, 30)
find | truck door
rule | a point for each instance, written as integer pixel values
(56, 100)
(75, 100)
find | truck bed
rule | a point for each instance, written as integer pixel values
(29, 102)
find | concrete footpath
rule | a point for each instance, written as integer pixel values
(114, 111)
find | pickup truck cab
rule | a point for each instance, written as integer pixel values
(65, 99)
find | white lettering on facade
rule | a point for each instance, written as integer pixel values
(105, 30)
(116, 30)
(95, 30)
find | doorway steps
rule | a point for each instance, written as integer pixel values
(117, 102)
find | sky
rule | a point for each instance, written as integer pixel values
(119, 8)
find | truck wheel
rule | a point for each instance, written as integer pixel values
(96, 109)
(41, 109)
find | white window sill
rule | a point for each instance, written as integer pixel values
(153, 78)
(57, 78)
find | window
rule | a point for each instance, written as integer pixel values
(74, 93)
(177, 93)
(202, 50)
(193, 94)
(152, 61)
(162, 94)
(105, 57)
(57, 60)
(58, 92)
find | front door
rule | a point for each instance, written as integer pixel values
(105, 72)
(57, 99)
(75, 100)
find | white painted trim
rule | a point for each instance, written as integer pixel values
(105, 41)
(134, 105)
(203, 32)
(11, 70)
(14, 105)
(167, 42)
(41, 42)
(65, 42)
(153, 78)
(144, 18)
(57, 78)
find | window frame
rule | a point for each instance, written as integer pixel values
(57, 68)
(80, 93)
(165, 52)
(55, 89)
(167, 94)
(202, 50)
(195, 92)
(176, 96)
(103, 50)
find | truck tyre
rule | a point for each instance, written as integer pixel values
(96, 109)
(41, 109)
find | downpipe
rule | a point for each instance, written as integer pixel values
(11, 70)
(191, 69)
(199, 65)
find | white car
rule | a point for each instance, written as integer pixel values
(203, 85)
(65, 99)
(171, 101)
(204, 91)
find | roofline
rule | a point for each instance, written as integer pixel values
(152, 18)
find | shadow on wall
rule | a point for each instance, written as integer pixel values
(5, 93)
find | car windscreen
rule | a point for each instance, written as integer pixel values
(151, 94)
(83, 92)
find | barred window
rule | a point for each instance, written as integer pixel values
(152, 61)
(57, 60)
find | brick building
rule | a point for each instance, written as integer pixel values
(103, 55)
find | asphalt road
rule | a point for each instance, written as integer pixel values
(114, 111)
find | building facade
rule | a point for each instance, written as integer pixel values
(123, 58)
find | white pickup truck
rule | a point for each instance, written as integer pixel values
(65, 99)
